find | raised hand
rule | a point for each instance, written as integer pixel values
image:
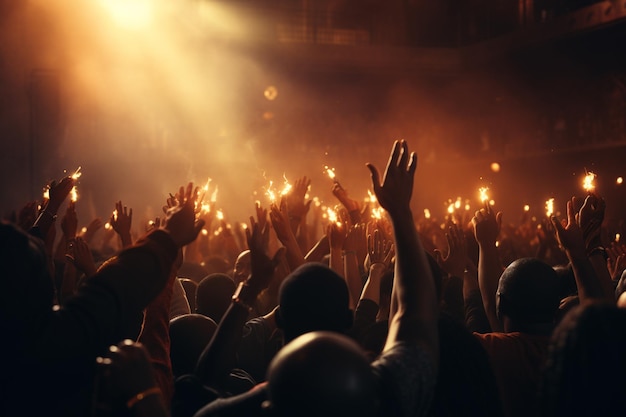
(261, 265)
(617, 260)
(569, 233)
(487, 225)
(261, 215)
(181, 220)
(58, 193)
(121, 221)
(394, 193)
(80, 256)
(295, 199)
(352, 206)
(379, 250)
(27, 215)
(456, 260)
(590, 218)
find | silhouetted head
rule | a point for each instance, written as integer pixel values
(313, 297)
(322, 374)
(189, 335)
(213, 296)
(585, 372)
(242, 269)
(528, 294)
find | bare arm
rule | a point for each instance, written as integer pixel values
(415, 318)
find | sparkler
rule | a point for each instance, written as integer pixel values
(330, 172)
(550, 207)
(588, 181)
(74, 194)
(483, 194)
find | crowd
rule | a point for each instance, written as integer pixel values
(293, 314)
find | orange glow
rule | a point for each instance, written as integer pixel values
(115, 215)
(526, 207)
(495, 167)
(377, 213)
(372, 196)
(76, 175)
(74, 194)
(107, 225)
(205, 232)
(588, 182)
(483, 194)
(619, 180)
(427, 213)
(330, 172)
(130, 14)
(46, 193)
(219, 215)
(550, 207)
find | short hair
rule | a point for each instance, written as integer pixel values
(529, 292)
(189, 335)
(322, 374)
(313, 297)
(213, 295)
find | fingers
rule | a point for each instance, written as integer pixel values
(375, 177)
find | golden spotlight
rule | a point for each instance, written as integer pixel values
(130, 14)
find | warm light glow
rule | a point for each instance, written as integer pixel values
(130, 14)
(214, 195)
(467, 207)
(46, 193)
(619, 180)
(83, 230)
(332, 216)
(115, 215)
(495, 167)
(74, 194)
(427, 213)
(483, 194)
(270, 193)
(205, 232)
(550, 207)
(617, 237)
(330, 172)
(205, 208)
(286, 187)
(219, 215)
(317, 201)
(451, 208)
(271, 93)
(107, 225)
(372, 196)
(492, 202)
(76, 175)
(588, 182)
(457, 203)
(377, 213)
(526, 207)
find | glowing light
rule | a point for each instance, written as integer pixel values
(617, 237)
(130, 14)
(46, 193)
(377, 213)
(372, 196)
(73, 194)
(205, 208)
(107, 225)
(495, 167)
(588, 182)
(332, 217)
(83, 230)
(219, 215)
(619, 180)
(286, 187)
(483, 194)
(330, 172)
(451, 208)
(115, 215)
(427, 213)
(492, 202)
(457, 203)
(467, 207)
(317, 201)
(526, 207)
(270, 193)
(76, 175)
(205, 232)
(271, 93)
(550, 207)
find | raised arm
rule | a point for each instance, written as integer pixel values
(486, 229)
(415, 318)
